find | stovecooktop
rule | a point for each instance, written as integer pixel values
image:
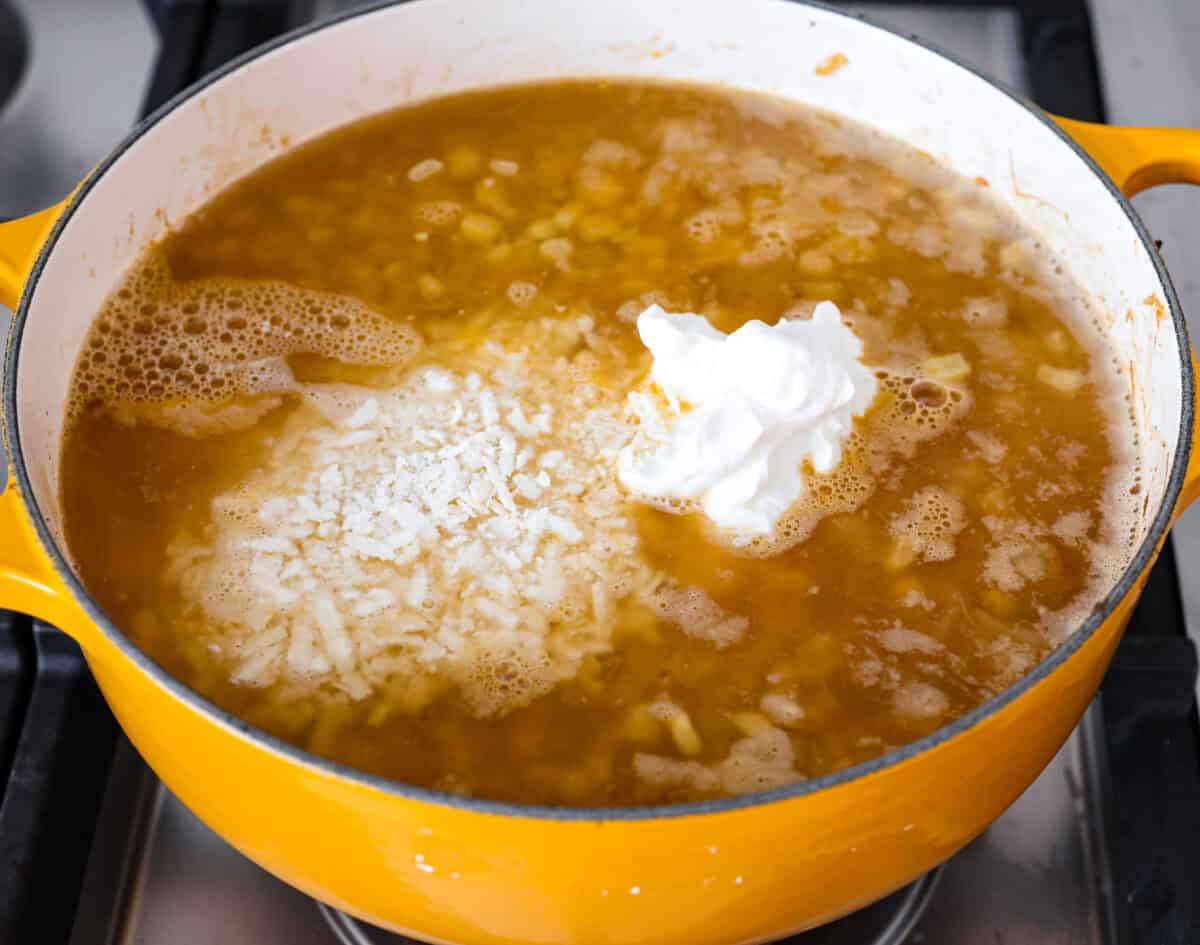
(1104, 849)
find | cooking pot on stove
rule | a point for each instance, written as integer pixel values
(447, 868)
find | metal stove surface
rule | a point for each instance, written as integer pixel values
(72, 76)
(157, 876)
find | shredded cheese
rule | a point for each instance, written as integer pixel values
(460, 526)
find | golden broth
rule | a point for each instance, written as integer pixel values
(534, 223)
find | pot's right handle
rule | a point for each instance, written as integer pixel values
(1135, 159)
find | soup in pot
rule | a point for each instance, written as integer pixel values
(599, 443)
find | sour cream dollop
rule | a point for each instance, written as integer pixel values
(746, 410)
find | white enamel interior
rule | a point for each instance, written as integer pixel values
(399, 54)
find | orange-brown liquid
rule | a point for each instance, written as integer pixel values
(939, 570)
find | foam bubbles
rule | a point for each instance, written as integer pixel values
(920, 700)
(1017, 554)
(758, 762)
(496, 680)
(773, 241)
(929, 522)
(197, 419)
(985, 312)
(706, 225)
(703, 227)
(521, 293)
(157, 339)
(439, 214)
(901, 639)
(700, 617)
(910, 409)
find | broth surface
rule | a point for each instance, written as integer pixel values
(450, 273)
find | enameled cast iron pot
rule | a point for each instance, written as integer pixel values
(450, 869)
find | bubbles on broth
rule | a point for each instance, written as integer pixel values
(929, 523)
(743, 229)
(700, 617)
(157, 339)
(910, 409)
(439, 214)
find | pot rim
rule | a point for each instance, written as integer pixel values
(293, 754)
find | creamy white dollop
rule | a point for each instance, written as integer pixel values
(745, 411)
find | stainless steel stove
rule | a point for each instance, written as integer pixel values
(1104, 849)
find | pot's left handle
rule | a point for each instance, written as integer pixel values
(20, 241)
(28, 580)
(1136, 159)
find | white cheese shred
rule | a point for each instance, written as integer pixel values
(456, 526)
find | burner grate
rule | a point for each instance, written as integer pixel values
(14, 50)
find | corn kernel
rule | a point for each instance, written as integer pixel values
(566, 215)
(430, 286)
(641, 726)
(750, 723)
(900, 556)
(851, 249)
(413, 693)
(1056, 342)
(686, 738)
(947, 367)
(378, 714)
(600, 189)
(814, 263)
(908, 591)
(541, 230)
(479, 227)
(1063, 380)
(425, 169)
(781, 709)
(998, 602)
(557, 251)
(822, 289)
(500, 253)
(596, 226)
(994, 502)
(464, 162)
(491, 195)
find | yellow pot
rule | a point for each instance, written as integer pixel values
(448, 869)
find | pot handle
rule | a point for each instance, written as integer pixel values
(1136, 159)
(20, 241)
(28, 580)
